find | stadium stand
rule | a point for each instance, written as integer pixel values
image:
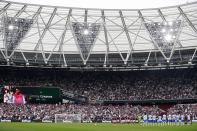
(107, 65)
(145, 85)
(172, 84)
(89, 113)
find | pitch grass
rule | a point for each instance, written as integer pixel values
(91, 127)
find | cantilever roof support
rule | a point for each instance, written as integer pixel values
(191, 25)
(128, 36)
(154, 43)
(43, 34)
(106, 39)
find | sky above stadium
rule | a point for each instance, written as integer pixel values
(108, 4)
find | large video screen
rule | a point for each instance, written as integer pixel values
(30, 94)
(13, 95)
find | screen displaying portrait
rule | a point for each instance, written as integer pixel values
(13, 95)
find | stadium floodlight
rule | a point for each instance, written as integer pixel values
(10, 27)
(16, 30)
(163, 30)
(168, 37)
(86, 32)
(171, 30)
(164, 34)
(170, 23)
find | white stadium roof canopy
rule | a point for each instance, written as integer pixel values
(109, 4)
(120, 30)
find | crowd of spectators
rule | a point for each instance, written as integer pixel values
(89, 112)
(183, 109)
(140, 85)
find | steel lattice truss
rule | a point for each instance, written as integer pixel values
(14, 30)
(37, 35)
(85, 35)
(165, 35)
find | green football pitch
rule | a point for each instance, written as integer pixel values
(91, 127)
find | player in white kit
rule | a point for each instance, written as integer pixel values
(150, 119)
(169, 119)
(154, 119)
(145, 119)
(177, 119)
(159, 120)
(182, 119)
(173, 119)
(164, 119)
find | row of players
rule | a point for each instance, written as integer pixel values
(187, 119)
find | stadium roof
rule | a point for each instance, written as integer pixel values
(53, 29)
(107, 4)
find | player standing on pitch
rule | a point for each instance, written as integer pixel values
(145, 119)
